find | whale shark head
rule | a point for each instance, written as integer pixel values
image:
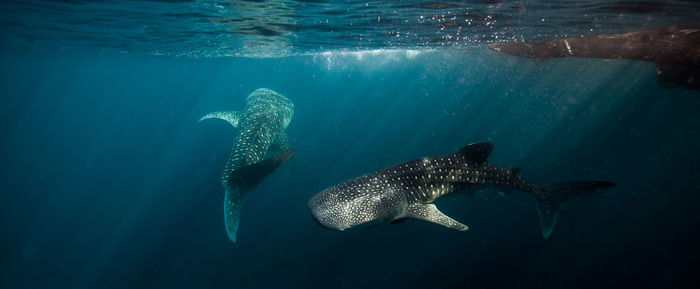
(281, 104)
(348, 205)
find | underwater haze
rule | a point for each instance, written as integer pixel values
(109, 180)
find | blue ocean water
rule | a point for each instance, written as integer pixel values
(109, 180)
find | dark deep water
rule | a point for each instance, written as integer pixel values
(109, 180)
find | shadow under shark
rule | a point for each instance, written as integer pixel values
(407, 190)
(675, 51)
(261, 128)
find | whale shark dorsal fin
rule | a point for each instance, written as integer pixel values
(516, 171)
(231, 116)
(476, 153)
(430, 213)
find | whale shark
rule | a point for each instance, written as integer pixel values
(407, 190)
(675, 51)
(261, 129)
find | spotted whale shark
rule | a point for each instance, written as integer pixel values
(261, 129)
(674, 50)
(407, 190)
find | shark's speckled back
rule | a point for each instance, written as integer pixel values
(407, 190)
(261, 126)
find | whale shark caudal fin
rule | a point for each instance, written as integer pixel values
(231, 116)
(232, 213)
(551, 198)
(242, 180)
(430, 213)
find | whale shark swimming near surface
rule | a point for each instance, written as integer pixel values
(261, 128)
(407, 190)
(675, 51)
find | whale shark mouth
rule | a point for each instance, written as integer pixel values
(313, 216)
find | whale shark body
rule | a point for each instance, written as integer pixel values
(407, 190)
(675, 51)
(261, 128)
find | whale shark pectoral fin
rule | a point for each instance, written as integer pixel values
(232, 214)
(248, 177)
(231, 116)
(430, 213)
(281, 143)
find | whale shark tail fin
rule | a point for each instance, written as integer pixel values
(232, 213)
(241, 181)
(550, 199)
